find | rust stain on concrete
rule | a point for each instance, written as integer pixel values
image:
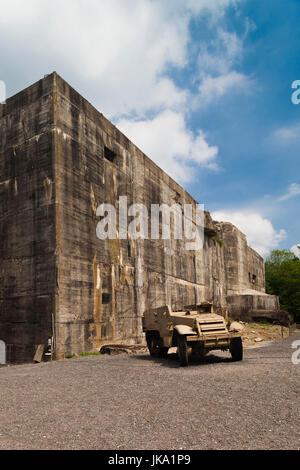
(93, 200)
(95, 326)
(115, 250)
(48, 190)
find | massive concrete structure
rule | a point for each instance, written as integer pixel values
(59, 159)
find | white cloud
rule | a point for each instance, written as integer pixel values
(217, 62)
(261, 234)
(215, 8)
(220, 55)
(122, 49)
(296, 250)
(215, 87)
(287, 134)
(294, 190)
(168, 142)
(118, 54)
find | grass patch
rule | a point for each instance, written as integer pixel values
(217, 240)
(97, 353)
(264, 330)
(262, 323)
(71, 356)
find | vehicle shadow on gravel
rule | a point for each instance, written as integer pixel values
(172, 360)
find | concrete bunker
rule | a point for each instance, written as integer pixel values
(57, 279)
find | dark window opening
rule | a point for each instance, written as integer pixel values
(254, 278)
(109, 154)
(105, 298)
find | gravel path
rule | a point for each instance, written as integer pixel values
(135, 402)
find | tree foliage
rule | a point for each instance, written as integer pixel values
(283, 279)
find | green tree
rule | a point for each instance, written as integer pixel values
(283, 279)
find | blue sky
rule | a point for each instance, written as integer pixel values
(202, 86)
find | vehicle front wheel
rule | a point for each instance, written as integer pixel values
(236, 349)
(182, 351)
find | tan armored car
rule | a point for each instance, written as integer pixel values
(195, 330)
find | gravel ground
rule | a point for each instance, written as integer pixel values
(135, 402)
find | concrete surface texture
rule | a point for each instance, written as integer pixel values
(137, 402)
(59, 160)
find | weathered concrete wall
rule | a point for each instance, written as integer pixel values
(242, 306)
(57, 277)
(135, 275)
(26, 221)
(245, 275)
(244, 267)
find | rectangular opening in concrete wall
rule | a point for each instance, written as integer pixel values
(105, 298)
(109, 154)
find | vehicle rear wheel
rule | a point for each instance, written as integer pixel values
(163, 352)
(236, 349)
(182, 351)
(154, 345)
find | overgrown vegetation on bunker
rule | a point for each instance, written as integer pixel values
(283, 279)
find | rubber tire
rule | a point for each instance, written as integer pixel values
(155, 350)
(149, 339)
(236, 349)
(163, 352)
(182, 351)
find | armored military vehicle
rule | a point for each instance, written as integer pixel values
(195, 330)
